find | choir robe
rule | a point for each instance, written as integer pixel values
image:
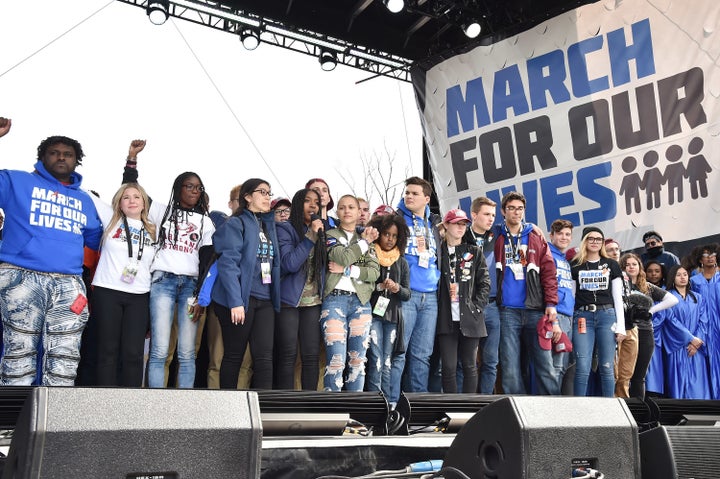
(710, 291)
(687, 377)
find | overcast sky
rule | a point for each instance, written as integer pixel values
(116, 77)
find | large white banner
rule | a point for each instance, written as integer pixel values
(605, 115)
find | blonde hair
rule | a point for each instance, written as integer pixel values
(118, 214)
(582, 252)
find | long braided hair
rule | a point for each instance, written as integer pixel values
(314, 268)
(173, 211)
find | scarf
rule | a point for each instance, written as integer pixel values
(387, 258)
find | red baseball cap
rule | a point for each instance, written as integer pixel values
(564, 345)
(278, 202)
(545, 332)
(456, 216)
(383, 210)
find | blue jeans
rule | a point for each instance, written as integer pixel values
(170, 291)
(379, 355)
(488, 369)
(561, 361)
(345, 323)
(600, 334)
(420, 319)
(518, 327)
(35, 305)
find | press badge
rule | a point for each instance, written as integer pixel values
(265, 272)
(129, 273)
(517, 270)
(381, 306)
(424, 259)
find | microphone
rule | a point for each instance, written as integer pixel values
(360, 230)
(321, 231)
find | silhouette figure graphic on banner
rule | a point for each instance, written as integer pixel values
(652, 180)
(631, 184)
(675, 173)
(697, 169)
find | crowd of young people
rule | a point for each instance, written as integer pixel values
(400, 300)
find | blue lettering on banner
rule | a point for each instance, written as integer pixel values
(559, 194)
(546, 74)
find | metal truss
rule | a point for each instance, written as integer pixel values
(216, 15)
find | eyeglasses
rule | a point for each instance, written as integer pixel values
(594, 239)
(709, 255)
(263, 192)
(283, 211)
(191, 187)
(519, 209)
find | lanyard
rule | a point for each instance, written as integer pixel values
(516, 246)
(265, 248)
(417, 227)
(128, 237)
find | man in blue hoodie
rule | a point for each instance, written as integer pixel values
(420, 312)
(42, 294)
(560, 237)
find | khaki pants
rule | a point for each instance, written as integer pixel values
(625, 365)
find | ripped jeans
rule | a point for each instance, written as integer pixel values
(36, 305)
(345, 324)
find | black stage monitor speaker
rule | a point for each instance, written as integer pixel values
(541, 437)
(136, 433)
(680, 452)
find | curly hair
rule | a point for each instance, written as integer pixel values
(64, 140)
(383, 223)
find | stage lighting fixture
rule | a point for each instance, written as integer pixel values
(250, 38)
(394, 6)
(157, 11)
(328, 60)
(471, 28)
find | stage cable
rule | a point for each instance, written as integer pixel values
(227, 104)
(56, 38)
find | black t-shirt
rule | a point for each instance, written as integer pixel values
(593, 281)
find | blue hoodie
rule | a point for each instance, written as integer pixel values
(47, 223)
(424, 280)
(566, 300)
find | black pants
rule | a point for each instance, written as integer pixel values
(257, 330)
(293, 324)
(450, 345)
(646, 347)
(122, 321)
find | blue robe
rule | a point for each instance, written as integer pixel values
(687, 376)
(655, 377)
(710, 291)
